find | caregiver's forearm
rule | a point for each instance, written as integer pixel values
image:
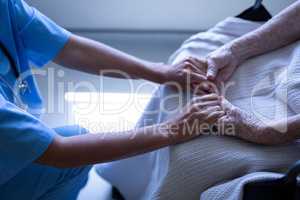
(281, 30)
(98, 148)
(96, 58)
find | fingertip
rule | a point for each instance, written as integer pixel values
(202, 78)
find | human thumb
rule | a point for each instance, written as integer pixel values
(212, 70)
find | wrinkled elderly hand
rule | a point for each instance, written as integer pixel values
(221, 64)
(245, 125)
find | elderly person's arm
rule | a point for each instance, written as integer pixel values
(243, 125)
(281, 30)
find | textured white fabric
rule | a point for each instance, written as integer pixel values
(185, 171)
(233, 190)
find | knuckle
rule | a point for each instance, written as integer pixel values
(195, 108)
(186, 62)
(202, 114)
(217, 107)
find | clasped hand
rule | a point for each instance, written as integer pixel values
(207, 108)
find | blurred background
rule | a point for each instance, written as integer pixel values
(152, 30)
(179, 15)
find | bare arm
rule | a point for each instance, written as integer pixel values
(96, 58)
(93, 57)
(97, 148)
(281, 30)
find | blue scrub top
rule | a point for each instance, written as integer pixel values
(30, 37)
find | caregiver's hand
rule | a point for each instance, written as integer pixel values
(195, 118)
(222, 63)
(189, 71)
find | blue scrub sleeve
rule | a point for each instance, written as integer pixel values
(42, 38)
(23, 139)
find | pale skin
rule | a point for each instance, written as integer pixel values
(93, 57)
(280, 31)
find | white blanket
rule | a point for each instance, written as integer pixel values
(233, 190)
(187, 170)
